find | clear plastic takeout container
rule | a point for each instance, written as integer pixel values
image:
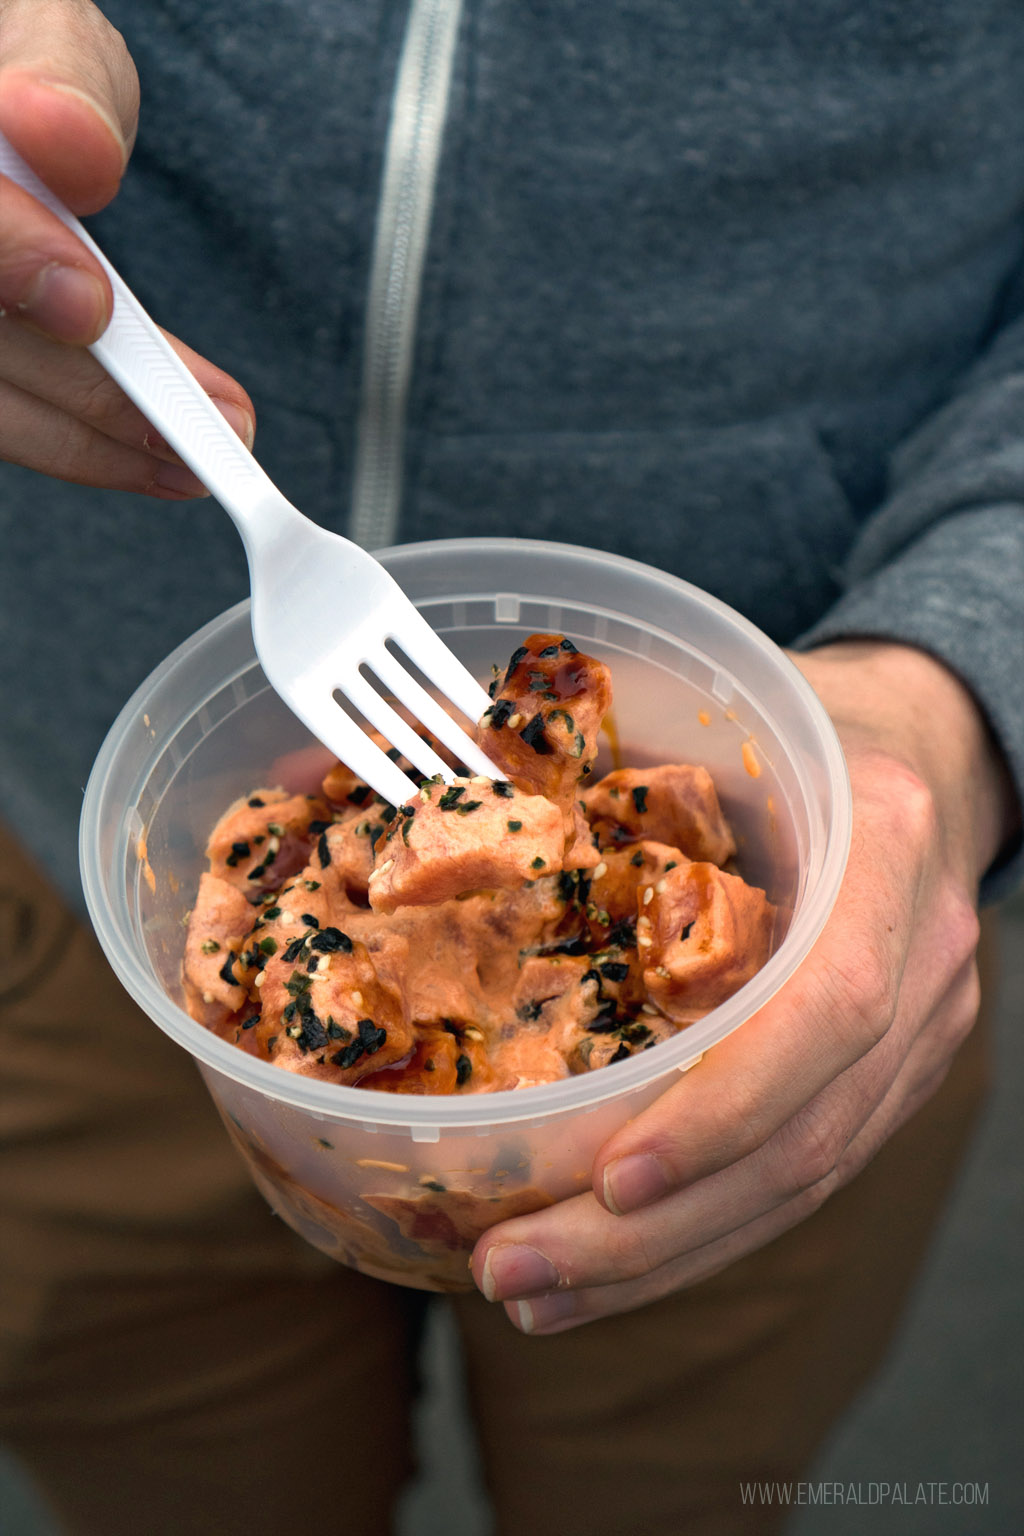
(396, 1185)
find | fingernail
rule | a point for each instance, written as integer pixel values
(511, 1269)
(176, 478)
(240, 422)
(538, 1315)
(66, 303)
(631, 1182)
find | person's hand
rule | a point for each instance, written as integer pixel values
(68, 104)
(793, 1104)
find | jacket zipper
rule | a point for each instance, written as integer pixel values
(412, 151)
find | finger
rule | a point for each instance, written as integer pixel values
(557, 1310)
(69, 97)
(42, 437)
(579, 1246)
(68, 104)
(47, 277)
(71, 380)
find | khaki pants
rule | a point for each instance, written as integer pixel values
(174, 1362)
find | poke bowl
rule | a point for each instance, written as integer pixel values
(400, 1185)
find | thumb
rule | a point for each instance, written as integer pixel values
(69, 97)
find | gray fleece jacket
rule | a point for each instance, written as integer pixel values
(735, 289)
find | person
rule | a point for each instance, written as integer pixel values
(736, 292)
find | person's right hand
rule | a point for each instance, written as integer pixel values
(69, 103)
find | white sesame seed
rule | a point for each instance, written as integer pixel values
(643, 922)
(480, 778)
(644, 940)
(660, 887)
(357, 998)
(207, 997)
(514, 722)
(599, 870)
(648, 895)
(648, 1008)
(286, 916)
(259, 978)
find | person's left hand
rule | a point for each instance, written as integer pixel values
(793, 1104)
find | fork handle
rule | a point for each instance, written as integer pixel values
(138, 357)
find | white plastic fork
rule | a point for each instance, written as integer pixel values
(323, 610)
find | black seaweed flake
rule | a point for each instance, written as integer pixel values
(451, 797)
(336, 1031)
(537, 681)
(332, 940)
(463, 1070)
(226, 972)
(517, 656)
(310, 921)
(371, 1038)
(467, 806)
(637, 858)
(569, 648)
(256, 802)
(240, 850)
(615, 970)
(622, 1054)
(359, 794)
(313, 1036)
(316, 827)
(294, 949)
(547, 653)
(432, 1184)
(271, 913)
(348, 1055)
(636, 1033)
(503, 788)
(538, 862)
(323, 851)
(298, 986)
(499, 714)
(639, 793)
(514, 826)
(623, 934)
(606, 1020)
(533, 734)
